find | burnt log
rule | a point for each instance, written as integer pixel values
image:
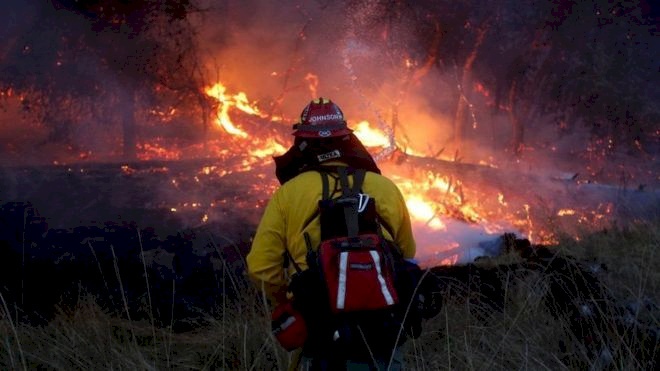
(546, 192)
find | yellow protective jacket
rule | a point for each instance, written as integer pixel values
(293, 205)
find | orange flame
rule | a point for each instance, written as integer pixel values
(369, 136)
(422, 210)
(270, 148)
(433, 199)
(239, 100)
(564, 212)
(313, 83)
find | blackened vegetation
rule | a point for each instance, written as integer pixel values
(570, 288)
(68, 231)
(180, 280)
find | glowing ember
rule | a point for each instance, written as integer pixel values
(127, 170)
(155, 150)
(564, 212)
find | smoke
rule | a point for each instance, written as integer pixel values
(268, 49)
(372, 65)
(282, 54)
(457, 243)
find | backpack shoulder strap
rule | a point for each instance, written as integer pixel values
(326, 173)
(358, 180)
(350, 199)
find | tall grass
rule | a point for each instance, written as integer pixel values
(464, 335)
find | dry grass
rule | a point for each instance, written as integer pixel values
(87, 337)
(465, 335)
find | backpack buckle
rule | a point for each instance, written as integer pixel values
(363, 200)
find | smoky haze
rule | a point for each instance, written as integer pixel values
(373, 66)
(272, 51)
(369, 59)
(71, 81)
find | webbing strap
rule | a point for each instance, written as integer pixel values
(358, 180)
(351, 201)
(326, 185)
(288, 258)
(343, 178)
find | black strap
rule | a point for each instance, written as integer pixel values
(326, 194)
(326, 186)
(327, 172)
(289, 258)
(358, 180)
(343, 178)
(308, 241)
(350, 199)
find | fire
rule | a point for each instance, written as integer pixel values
(313, 83)
(155, 150)
(422, 210)
(429, 197)
(369, 136)
(500, 199)
(258, 148)
(436, 201)
(270, 148)
(239, 101)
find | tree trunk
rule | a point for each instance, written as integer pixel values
(128, 125)
(517, 125)
(464, 83)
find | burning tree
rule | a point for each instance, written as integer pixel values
(587, 64)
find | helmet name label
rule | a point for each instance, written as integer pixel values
(328, 156)
(328, 117)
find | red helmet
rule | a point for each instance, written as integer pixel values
(321, 119)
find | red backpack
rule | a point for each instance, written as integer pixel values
(355, 261)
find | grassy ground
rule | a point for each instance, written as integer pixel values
(464, 335)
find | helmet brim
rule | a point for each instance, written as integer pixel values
(322, 133)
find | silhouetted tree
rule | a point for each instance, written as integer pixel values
(590, 63)
(99, 60)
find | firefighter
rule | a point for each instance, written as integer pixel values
(290, 223)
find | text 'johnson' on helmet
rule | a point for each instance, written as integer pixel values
(321, 118)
